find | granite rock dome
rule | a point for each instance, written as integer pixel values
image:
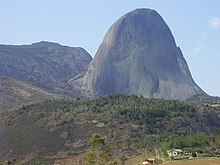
(138, 55)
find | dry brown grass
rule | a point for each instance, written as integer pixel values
(27, 159)
(14, 93)
(71, 160)
(197, 162)
(209, 161)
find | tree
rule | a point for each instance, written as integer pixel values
(96, 139)
(98, 152)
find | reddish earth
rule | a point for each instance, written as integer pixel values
(212, 161)
(70, 161)
(197, 162)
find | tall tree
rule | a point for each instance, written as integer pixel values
(99, 153)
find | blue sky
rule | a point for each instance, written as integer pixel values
(195, 25)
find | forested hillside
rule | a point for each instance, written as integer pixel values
(127, 122)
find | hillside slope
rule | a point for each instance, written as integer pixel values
(127, 122)
(15, 93)
(42, 63)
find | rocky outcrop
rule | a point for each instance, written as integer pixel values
(42, 63)
(138, 56)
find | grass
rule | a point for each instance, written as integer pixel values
(211, 161)
(31, 133)
(183, 160)
(181, 157)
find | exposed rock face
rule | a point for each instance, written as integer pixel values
(138, 55)
(42, 62)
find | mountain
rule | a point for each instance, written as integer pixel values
(138, 55)
(15, 93)
(42, 63)
(25, 68)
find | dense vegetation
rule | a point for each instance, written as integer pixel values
(205, 99)
(127, 123)
(152, 114)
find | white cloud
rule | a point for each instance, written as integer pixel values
(214, 22)
(197, 50)
(204, 35)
